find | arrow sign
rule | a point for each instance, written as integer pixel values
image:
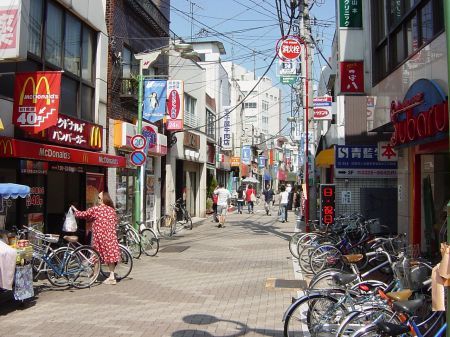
(137, 158)
(138, 142)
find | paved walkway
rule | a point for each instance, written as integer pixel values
(205, 282)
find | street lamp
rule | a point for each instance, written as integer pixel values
(146, 59)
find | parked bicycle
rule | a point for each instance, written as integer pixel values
(143, 241)
(178, 220)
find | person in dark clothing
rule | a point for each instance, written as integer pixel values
(268, 199)
(240, 198)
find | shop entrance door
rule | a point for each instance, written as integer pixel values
(191, 192)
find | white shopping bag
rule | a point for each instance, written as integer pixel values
(70, 223)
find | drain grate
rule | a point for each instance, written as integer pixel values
(174, 249)
(273, 283)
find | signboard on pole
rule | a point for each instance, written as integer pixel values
(288, 48)
(235, 161)
(323, 108)
(154, 100)
(138, 142)
(246, 155)
(175, 105)
(327, 204)
(36, 100)
(225, 130)
(352, 77)
(138, 158)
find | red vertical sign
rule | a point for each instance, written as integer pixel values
(36, 100)
(352, 77)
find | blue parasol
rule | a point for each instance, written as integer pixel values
(14, 191)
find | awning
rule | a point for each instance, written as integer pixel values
(325, 158)
(14, 148)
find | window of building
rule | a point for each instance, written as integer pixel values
(54, 35)
(410, 25)
(190, 113)
(265, 106)
(250, 105)
(35, 28)
(130, 65)
(72, 45)
(211, 124)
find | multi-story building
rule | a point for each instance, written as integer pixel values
(135, 27)
(66, 163)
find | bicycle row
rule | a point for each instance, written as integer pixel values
(361, 285)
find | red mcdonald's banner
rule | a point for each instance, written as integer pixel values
(36, 100)
(14, 148)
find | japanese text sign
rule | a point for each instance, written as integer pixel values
(225, 130)
(14, 29)
(73, 132)
(235, 161)
(36, 100)
(323, 108)
(175, 103)
(386, 152)
(288, 48)
(327, 204)
(362, 161)
(350, 13)
(154, 108)
(352, 77)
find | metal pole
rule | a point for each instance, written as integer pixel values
(139, 179)
(307, 229)
(447, 33)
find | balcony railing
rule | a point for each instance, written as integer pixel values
(191, 120)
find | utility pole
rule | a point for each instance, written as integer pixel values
(305, 74)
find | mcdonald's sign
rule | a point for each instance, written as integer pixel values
(6, 147)
(36, 100)
(95, 137)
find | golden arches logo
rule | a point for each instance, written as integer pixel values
(34, 95)
(95, 139)
(6, 144)
(85, 158)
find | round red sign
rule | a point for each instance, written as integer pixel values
(289, 49)
(173, 105)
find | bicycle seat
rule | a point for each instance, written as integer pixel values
(344, 279)
(70, 238)
(352, 258)
(408, 307)
(392, 329)
(402, 295)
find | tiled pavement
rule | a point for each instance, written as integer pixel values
(215, 287)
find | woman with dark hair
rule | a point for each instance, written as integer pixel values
(104, 235)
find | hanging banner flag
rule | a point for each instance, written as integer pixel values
(154, 100)
(246, 155)
(36, 100)
(323, 107)
(175, 105)
(225, 130)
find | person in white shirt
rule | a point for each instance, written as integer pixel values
(223, 199)
(284, 199)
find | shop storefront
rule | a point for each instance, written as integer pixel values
(421, 129)
(58, 176)
(125, 176)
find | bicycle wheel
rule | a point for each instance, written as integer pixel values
(149, 242)
(293, 243)
(368, 331)
(165, 226)
(324, 279)
(56, 273)
(133, 242)
(325, 256)
(82, 267)
(188, 220)
(318, 314)
(303, 259)
(123, 267)
(356, 320)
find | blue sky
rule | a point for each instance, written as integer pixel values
(249, 30)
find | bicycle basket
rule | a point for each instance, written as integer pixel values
(411, 276)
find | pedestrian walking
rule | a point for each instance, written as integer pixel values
(214, 207)
(240, 198)
(284, 199)
(223, 199)
(268, 198)
(250, 198)
(104, 234)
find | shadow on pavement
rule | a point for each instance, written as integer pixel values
(203, 320)
(263, 228)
